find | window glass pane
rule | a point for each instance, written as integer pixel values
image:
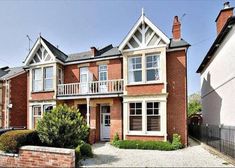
(149, 111)
(156, 111)
(156, 104)
(153, 123)
(37, 74)
(150, 105)
(135, 123)
(151, 74)
(48, 84)
(132, 105)
(132, 111)
(49, 72)
(47, 108)
(138, 111)
(138, 105)
(138, 76)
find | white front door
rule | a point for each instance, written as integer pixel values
(83, 80)
(105, 123)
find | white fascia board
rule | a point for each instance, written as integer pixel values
(32, 52)
(129, 35)
(157, 30)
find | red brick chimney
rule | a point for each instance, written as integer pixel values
(93, 51)
(223, 16)
(176, 29)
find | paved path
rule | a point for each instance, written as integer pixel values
(193, 156)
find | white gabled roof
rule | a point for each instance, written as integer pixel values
(143, 34)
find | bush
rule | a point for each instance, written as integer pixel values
(11, 141)
(86, 150)
(176, 142)
(115, 138)
(62, 127)
(137, 144)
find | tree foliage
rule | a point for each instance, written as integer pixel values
(194, 104)
(62, 127)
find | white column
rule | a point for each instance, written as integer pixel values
(88, 111)
(144, 117)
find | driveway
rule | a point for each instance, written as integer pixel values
(193, 156)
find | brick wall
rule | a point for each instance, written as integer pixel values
(116, 118)
(177, 98)
(43, 95)
(144, 89)
(145, 138)
(36, 156)
(18, 99)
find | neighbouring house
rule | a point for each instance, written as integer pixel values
(217, 72)
(138, 89)
(13, 97)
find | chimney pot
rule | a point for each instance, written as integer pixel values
(223, 16)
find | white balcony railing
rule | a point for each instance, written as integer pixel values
(93, 87)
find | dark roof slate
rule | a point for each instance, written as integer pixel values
(8, 73)
(178, 43)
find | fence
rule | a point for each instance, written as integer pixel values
(221, 137)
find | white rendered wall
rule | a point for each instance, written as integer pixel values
(218, 85)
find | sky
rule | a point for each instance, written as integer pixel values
(75, 26)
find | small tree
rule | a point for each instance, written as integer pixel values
(194, 103)
(62, 127)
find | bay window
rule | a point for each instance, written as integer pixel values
(153, 117)
(60, 76)
(134, 69)
(42, 79)
(135, 113)
(152, 67)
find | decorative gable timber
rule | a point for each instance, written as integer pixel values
(144, 34)
(39, 54)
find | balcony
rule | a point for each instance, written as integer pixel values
(91, 88)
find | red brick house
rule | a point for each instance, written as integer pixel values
(138, 89)
(13, 97)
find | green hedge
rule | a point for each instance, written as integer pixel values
(149, 145)
(137, 144)
(11, 141)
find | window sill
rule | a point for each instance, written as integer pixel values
(146, 83)
(43, 91)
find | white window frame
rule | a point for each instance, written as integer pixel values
(42, 79)
(47, 78)
(103, 71)
(153, 68)
(159, 114)
(134, 69)
(39, 81)
(135, 131)
(60, 76)
(36, 116)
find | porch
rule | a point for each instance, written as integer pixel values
(103, 116)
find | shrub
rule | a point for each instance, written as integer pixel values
(86, 150)
(115, 138)
(11, 141)
(137, 144)
(62, 127)
(176, 142)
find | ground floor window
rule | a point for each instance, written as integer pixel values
(135, 113)
(153, 117)
(144, 119)
(37, 112)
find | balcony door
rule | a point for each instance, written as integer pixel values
(103, 77)
(84, 74)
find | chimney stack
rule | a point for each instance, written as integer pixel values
(93, 51)
(223, 16)
(176, 29)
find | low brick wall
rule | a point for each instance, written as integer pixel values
(38, 156)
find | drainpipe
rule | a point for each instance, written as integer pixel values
(88, 111)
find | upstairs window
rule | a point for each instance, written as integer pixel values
(134, 69)
(42, 79)
(103, 73)
(37, 79)
(152, 67)
(48, 78)
(135, 113)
